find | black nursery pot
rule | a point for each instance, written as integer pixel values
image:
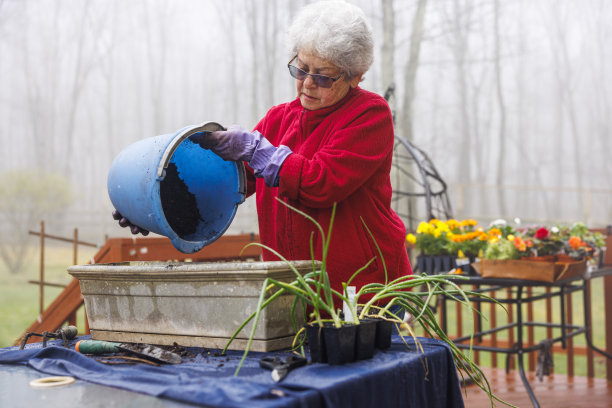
(435, 264)
(332, 345)
(340, 343)
(365, 339)
(447, 263)
(316, 343)
(425, 264)
(384, 328)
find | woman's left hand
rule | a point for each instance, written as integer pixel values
(124, 222)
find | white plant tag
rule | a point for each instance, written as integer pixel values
(350, 293)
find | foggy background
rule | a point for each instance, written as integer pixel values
(510, 100)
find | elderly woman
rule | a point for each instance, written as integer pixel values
(333, 144)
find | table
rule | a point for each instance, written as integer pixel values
(399, 376)
(520, 296)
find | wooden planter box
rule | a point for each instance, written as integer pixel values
(538, 270)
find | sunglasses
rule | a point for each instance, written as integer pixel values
(321, 81)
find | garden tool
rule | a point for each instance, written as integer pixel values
(281, 368)
(65, 333)
(147, 351)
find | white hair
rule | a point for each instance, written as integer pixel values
(335, 31)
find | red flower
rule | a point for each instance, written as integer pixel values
(541, 233)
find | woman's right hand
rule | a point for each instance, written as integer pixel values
(235, 143)
(124, 222)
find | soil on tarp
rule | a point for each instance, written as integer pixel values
(179, 205)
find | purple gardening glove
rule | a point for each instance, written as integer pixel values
(238, 144)
(235, 143)
(124, 222)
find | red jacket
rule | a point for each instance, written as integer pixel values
(341, 154)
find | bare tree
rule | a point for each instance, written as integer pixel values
(458, 41)
(79, 81)
(156, 38)
(521, 139)
(56, 79)
(252, 23)
(25, 197)
(566, 83)
(227, 17)
(410, 71)
(387, 60)
(106, 67)
(41, 92)
(82, 68)
(501, 140)
(269, 45)
(599, 104)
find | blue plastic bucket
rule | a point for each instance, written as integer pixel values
(171, 186)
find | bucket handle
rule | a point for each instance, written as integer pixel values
(242, 181)
(182, 135)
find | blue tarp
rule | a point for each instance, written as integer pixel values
(397, 377)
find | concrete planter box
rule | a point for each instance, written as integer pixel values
(192, 304)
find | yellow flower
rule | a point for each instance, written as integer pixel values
(452, 224)
(423, 228)
(468, 223)
(443, 227)
(510, 237)
(495, 232)
(411, 238)
(493, 240)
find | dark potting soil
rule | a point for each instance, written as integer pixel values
(179, 205)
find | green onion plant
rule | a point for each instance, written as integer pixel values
(413, 293)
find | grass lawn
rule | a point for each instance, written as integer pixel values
(19, 300)
(19, 306)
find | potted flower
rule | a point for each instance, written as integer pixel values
(444, 245)
(544, 243)
(433, 241)
(542, 253)
(581, 243)
(468, 243)
(507, 248)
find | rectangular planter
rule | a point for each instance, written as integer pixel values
(530, 270)
(190, 303)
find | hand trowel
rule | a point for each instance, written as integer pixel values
(147, 351)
